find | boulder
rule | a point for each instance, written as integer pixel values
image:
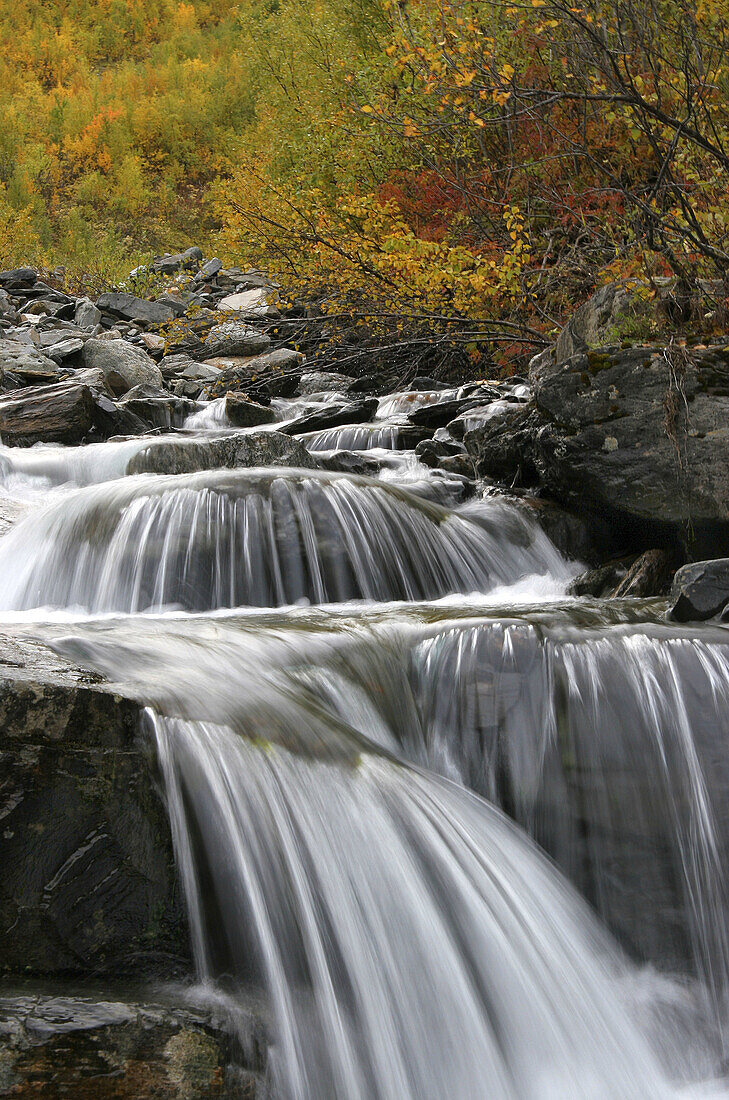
(157, 408)
(639, 438)
(186, 456)
(26, 362)
(275, 374)
(333, 416)
(62, 1044)
(501, 445)
(244, 413)
(128, 307)
(123, 364)
(700, 590)
(64, 413)
(234, 339)
(649, 575)
(88, 883)
(17, 277)
(249, 303)
(439, 413)
(86, 314)
(317, 381)
(603, 580)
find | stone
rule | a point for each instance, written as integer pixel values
(17, 277)
(130, 308)
(26, 361)
(275, 374)
(211, 268)
(63, 413)
(64, 349)
(156, 408)
(700, 590)
(244, 413)
(323, 382)
(603, 579)
(88, 882)
(250, 303)
(123, 364)
(152, 341)
(649, 575)
(234, 339)
(604, 320)
(333, 416)
(186, 456)
(639, 437)
(502, 445)
(440, 413)
(62, 1044)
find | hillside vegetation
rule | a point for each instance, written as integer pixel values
(474, 168)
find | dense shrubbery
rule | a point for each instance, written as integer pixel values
(466, 166)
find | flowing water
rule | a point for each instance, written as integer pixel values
(374, 715)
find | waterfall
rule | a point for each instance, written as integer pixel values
(355, 437)
(228, 538)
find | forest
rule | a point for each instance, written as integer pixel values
(478, 168)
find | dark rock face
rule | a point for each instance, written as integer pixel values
(116, 1049)
(639, 436)
(245, 413)
(502, 447)
(130, 308)
(88, 883)
(230, 452)
(649, 575)
(700, 590)
(334, 416)
(65, 413)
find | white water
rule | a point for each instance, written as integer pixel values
(412, 941)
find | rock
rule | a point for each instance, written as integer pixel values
(153, 342)
(316, 381)
(603, 579)
(170, 264)
(700, 590)
(333, 416)
(211, 268)
(274, 374)
(574, 538)
(17, 277)
(350, 462)
(64, 349)
(156, 408)
(649, 575)
(123, 364)
(501, 445)
(64, 413)
(234, 339)
(424, 383)
(440, 413)
(603, 320)
(88, 882)
(130, 308)
(432, 451)
(250, 303)
(57, 1045)
(26, 362)
(183, 366)
(186, 456)
(244, 413)
(639, 438)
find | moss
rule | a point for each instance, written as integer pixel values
(598, 361)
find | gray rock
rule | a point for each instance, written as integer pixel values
(234, 339)
(333, 416)
(56, 1044)
(123, 364)
(183, 366)
(88, 881)
(64, 413)
(130, 308)
(64, 349)
(25, 360)
(317, 381)
(250, 303)
(502, 446)
(700, 590)
(649, 575)
(244, 413)
(231, 451)
(276, 373)
(17, 277)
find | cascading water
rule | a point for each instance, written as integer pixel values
(412, 941)
(259, 537)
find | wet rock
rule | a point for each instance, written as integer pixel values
(333, 416)
(88, 883)
(64, 413)
(602, 580)
(440, 413)
(244, 413)
(350, 462)
(649, 575)
(700, 590)
(432, 451)
(639, 437)
(231, 451)
(128, 307)
(570, 534)
(120, 1049)
(233, 339)
(502, 445)
(157, 408)
(122, 364)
